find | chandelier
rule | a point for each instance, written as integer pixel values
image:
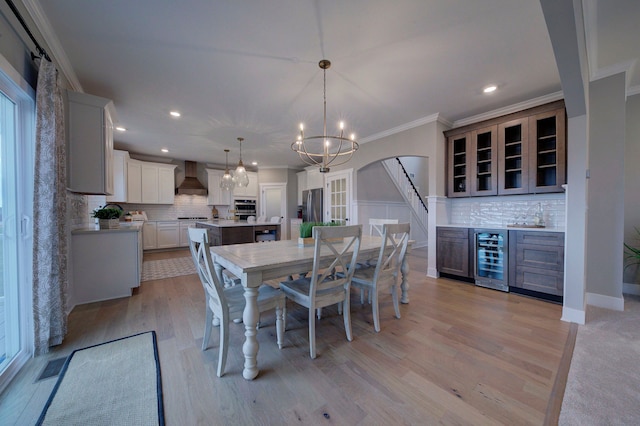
(226, 182)
(240, 176)
(325, 150)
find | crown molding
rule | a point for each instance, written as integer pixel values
(412, 124)
(57, 53)
(552, 97)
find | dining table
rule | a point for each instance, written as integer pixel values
(255, 263)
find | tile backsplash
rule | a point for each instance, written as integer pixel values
(183, 206)
(503, 211)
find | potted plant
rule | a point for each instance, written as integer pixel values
(306, 232)
(632, 254)
(108, 217)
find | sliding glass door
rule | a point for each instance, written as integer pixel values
(16, 193)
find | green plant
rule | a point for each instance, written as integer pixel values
(306, 228)
(632, 254)
(107, 213)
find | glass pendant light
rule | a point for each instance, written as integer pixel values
(226, 182)
(240, 176)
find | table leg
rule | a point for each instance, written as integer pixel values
(250, 347)
(404, 285)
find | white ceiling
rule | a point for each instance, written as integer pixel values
(250, 69)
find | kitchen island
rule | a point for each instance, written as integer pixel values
(224, 232)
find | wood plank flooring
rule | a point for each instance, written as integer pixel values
(459, 355)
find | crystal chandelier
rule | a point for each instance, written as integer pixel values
(325, 150)
(240, 176)
(227, 181)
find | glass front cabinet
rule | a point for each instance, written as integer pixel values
(521, 153)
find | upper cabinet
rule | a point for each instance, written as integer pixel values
(520, 153)
(217, 196)
(89, 133)
(251, 190)
(119, 195)
(150, 183)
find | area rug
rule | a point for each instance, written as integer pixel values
(604, 377)
(113, 383)
(167, 268)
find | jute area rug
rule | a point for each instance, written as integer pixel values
(603, 385)
(113, 383)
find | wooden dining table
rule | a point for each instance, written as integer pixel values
(255, 263)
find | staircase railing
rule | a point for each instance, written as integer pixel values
(409, 192)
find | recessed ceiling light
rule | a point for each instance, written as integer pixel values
(490, 89)
(164, 150)
(121, 129)
(254, 163)
(175, 113)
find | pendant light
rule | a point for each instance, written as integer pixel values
(227, 181)
(324, 150)
(240, 176)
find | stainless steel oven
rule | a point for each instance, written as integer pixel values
(244, 209)
(491, 258)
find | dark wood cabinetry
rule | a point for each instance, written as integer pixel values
(223, 235)
(453, 251)
(536, 261)
(520, 153)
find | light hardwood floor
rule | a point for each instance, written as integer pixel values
(460, 354)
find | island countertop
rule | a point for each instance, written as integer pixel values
(224, 223)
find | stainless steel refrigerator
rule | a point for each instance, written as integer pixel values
(312, 205)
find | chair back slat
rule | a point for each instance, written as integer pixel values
(199, 244)
(375, 225)
(338, 241)
(395, 239)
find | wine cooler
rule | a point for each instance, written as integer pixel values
(491, 250)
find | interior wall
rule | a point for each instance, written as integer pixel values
(632, 190)
(605, 218)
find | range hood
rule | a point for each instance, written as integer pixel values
(191, 185)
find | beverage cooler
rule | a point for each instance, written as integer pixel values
(491, 252)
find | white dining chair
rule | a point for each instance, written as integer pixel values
(324, 287)
(227, 303)
(386, 273)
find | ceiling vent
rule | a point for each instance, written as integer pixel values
(191, 185)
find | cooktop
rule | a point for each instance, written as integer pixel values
(193, 218)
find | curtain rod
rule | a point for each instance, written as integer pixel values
(39, 48)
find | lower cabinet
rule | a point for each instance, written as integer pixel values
(536, 261)
(168, 234)
(149, 239)
(454, 250)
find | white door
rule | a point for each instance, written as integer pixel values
(16, 244)
(273, 202)
(337, 197)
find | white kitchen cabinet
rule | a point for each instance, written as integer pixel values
(119, 195)
(217, 196)
(150, 183)
(149, 238)
(168, 234)
(134, 181)
(107, 264)
(315, 179)
(89, 137)
(302, 184)
(184, 231)
(249, 191)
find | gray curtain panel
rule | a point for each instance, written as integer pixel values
(49, 215)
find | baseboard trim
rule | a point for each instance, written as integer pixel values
(573, 315)
(432, 273)
(607, 302)
(631, 288)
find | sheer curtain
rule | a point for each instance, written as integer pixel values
(49, 215)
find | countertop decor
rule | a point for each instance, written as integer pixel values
(108, 217)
